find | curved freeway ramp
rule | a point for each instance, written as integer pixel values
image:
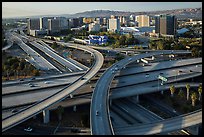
(35, 109)
(163, 126)
(99, 116)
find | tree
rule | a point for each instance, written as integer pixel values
(160, 45)
(172, 90)
(122, 39)
(187, 90)
(200, 91)
(85, 120)
(36, 72)
(60, 111)
(181, 93)
(195, 52)
(54, 45)
(193, 98)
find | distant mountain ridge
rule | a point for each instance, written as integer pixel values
(180, 13)
(194, 13)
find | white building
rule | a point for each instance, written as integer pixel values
(37, 32)
(113, 25)
(143, 20)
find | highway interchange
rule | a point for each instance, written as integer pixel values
(100, 99)
(38, 107)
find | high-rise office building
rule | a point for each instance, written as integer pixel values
(75, 22)
(94, 26)
(44, 22)
(113, 24)
(165, 24)
(104, 21)
(53, 25)
(33, 24)
(63, 22)
(80, 21)
(143, 20)
(99, 20)
(122, 19)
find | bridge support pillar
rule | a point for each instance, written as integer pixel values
(46, 116)
(110, 102)
(199, 129)
(74, 108)
(136, 98)
(162, 92)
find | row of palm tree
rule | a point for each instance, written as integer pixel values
(193, 95)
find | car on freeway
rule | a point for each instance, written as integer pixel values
(29, 129)
(32, 86)
(180, 71)
(130, 59)
(14, 110)
(32, 78)
(47, 82)
(83, 78)
(147, 75)
(21, 80)
(97, 112)
(113, 72)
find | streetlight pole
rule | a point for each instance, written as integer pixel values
(162, 92)
(158, 84)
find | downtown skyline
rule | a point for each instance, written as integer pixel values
(22, 9)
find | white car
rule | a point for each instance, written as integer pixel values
(28, 129)
(47, 82)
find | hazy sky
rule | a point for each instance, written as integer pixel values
(18, 9)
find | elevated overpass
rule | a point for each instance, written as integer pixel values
(167, 125)
(38, 107)
(99, 115)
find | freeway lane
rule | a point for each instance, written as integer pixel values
(7, 86)
(72, 67)
(139, 87)
(69, 59)
(57, 97)
(78, 101)
(34, 58)
(16, 86)
(101, 124)
(167, 125)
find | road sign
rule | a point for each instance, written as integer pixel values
(162, 78)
